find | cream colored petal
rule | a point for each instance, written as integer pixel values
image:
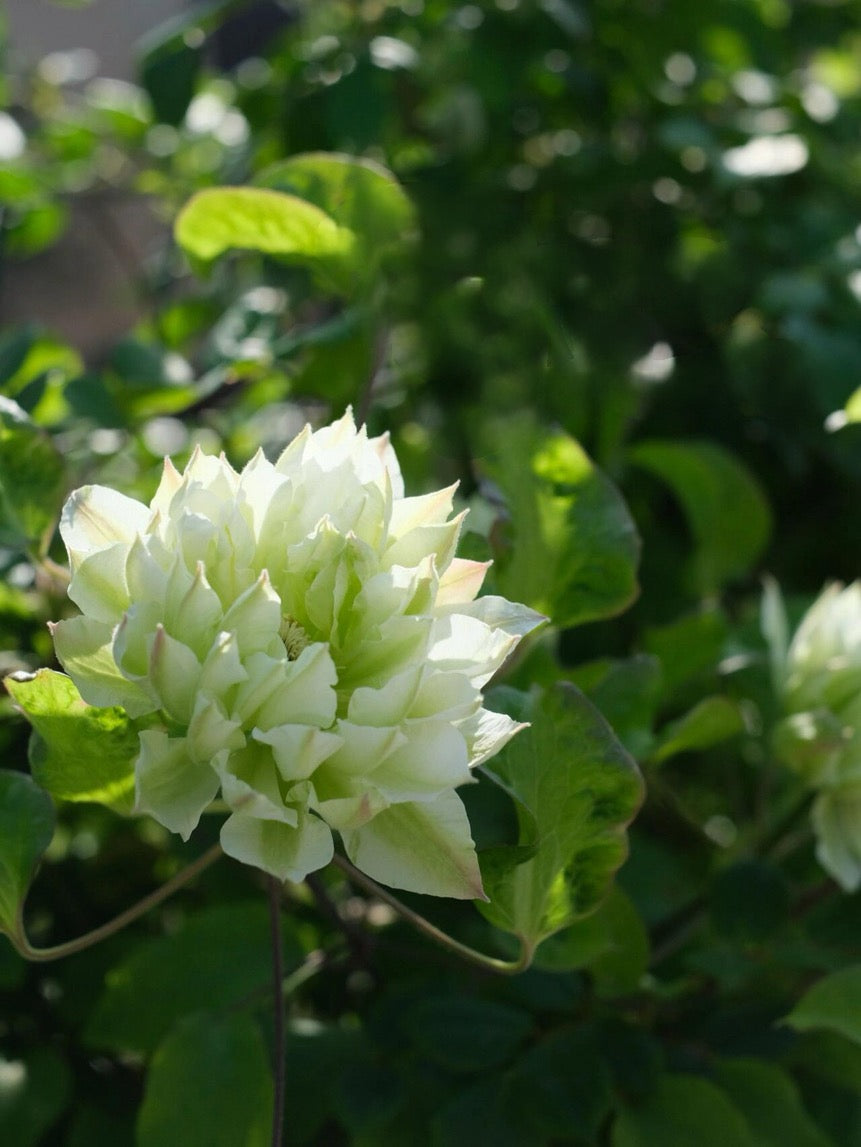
(424, 510)
(423, 847)
(98, 586)
(169, 785)
(298, 749)
(487, 733)
(284, 852)
(95, 517)
(433, 758)
(85, 650)
(461, 582)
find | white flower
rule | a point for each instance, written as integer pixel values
(821, 737)
(301, 637)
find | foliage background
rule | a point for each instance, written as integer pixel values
(637, 227)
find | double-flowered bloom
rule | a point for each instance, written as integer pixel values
(301, 637)
(821, 738)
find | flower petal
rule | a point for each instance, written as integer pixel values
(85, 650)
(169, 785)
(96, 517)
(423, 847)
(285, 852)
(298, 749)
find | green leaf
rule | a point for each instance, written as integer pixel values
(687, 647)
(462, 1033)
(253, 218)
(32, 481)
(612, 943)
(726, 509)
(574, 546)
(770, 1102)
(683, 1110)
(627, 692)
(713, 720)
(358, 194)
(564, 1083)
(219, 957)
(34, 1091)
(77, 752)
(209, 1085)
(832, 1003)
(26, 827)
(583, 789)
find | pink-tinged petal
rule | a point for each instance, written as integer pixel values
(423, 847)
(171, 480)
(169, 785)
(461, 582)
(284, 852)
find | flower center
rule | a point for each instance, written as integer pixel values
(293, 635)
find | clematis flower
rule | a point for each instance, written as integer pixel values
(301, 638)
(821, 736)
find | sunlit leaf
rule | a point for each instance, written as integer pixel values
(78, 752)
(32, 482)
(219, 219)
(357, 193)
(583, 789)
(574, 548)
(26, 828)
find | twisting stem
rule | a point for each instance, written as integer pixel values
(71, 947)
(279, 1066)
(479, 959)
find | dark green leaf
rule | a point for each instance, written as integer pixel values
(77, 752)
(26, 828)
(712, 720)
(209, 1085)
(832, 1003)
(770, 1102)
(466, 1034)
(219, 957)
(726, 509)
(564, 1085)
(683, 1110)
(34, 1091)
(749, 900)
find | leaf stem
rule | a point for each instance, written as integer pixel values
(72, 947)
(279, 1066)
(471, 955)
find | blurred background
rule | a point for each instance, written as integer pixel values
(638, 218)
